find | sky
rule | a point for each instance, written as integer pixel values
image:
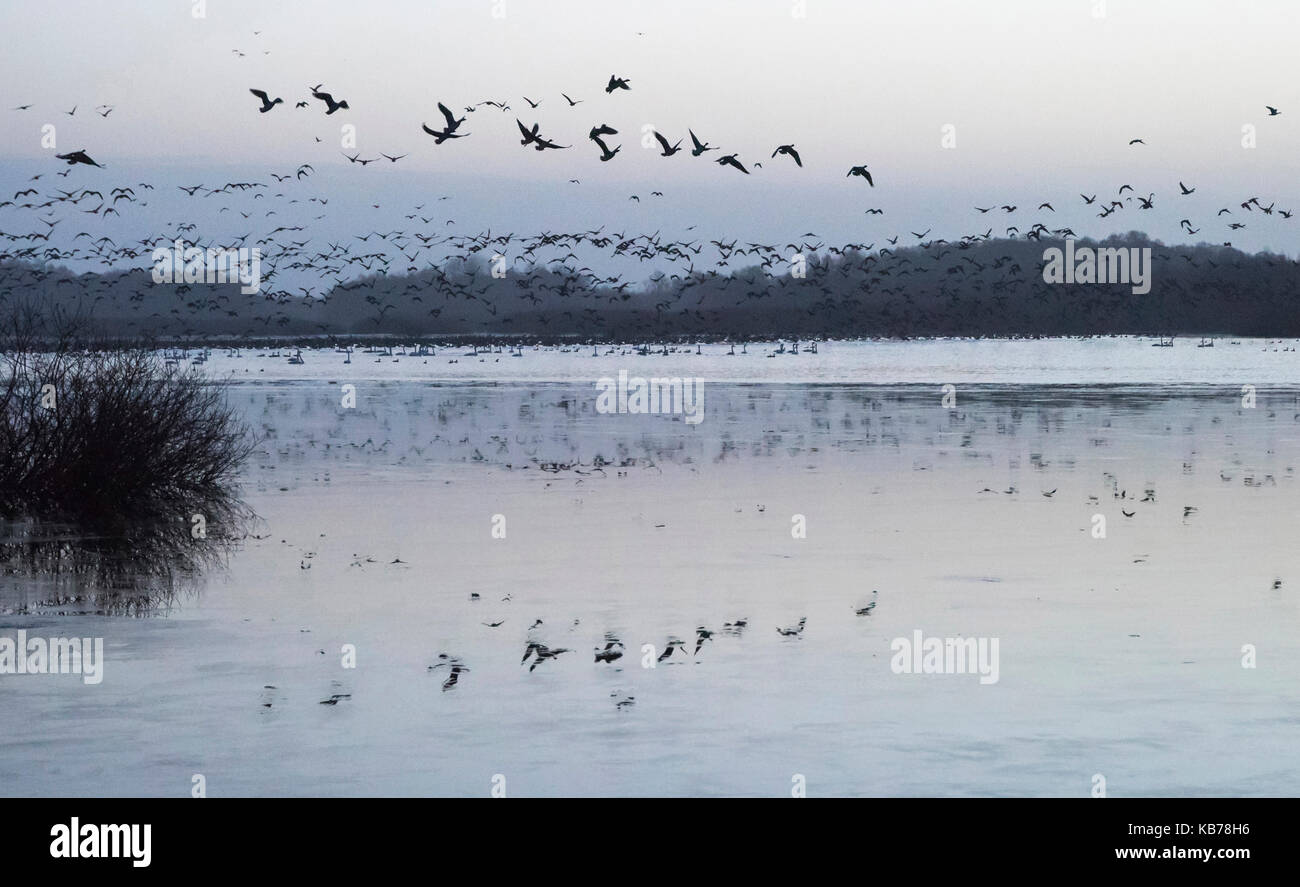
(1040, 100)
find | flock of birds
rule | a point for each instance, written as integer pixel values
(281, 216)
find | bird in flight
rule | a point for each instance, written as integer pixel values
(862, 171)
(531, 103)
(789, 151)
(616, 83)
(668, 151)
(76, 157)
(572, 103)
(1272, 112)
(1136, 142)
(390, 157)
(603, 130)
(453, 124)
(700, 147)
(267, 102)
(730, 160)
(1185, 189)
(330, 105)
(606, 155)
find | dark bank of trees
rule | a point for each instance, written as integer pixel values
(978, 288)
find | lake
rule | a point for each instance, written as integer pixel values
(469, 505)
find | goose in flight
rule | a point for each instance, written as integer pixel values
(668, 151)
(1186, 190)
(862, 171)
(606, 155)
(1136, 142)
(617, 83)
(1272, 112)
(730, 160)
(789, 151)
(532, 136)
(700, 147)
(330, 105)
(450, 132)
(572, 103)
(531, 103)
(603, 130)
(76, 157)
(453, 122)
(267, 102)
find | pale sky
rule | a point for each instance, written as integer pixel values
(1044, 97)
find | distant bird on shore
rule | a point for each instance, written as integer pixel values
(702, 634)
(613, 650)
(793, 632)
(541, 653)
(673, 643)
(457, 667)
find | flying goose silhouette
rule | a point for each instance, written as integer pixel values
(790, 152)
(700, 147)
(667, 150)
(862, 171)
(730, 160)
(330, 105)
(267, 102)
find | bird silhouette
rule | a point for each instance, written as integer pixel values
(267, 102)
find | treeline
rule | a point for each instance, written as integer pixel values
(976, 287)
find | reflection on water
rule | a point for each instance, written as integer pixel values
(131, 569)
(1119, 655)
